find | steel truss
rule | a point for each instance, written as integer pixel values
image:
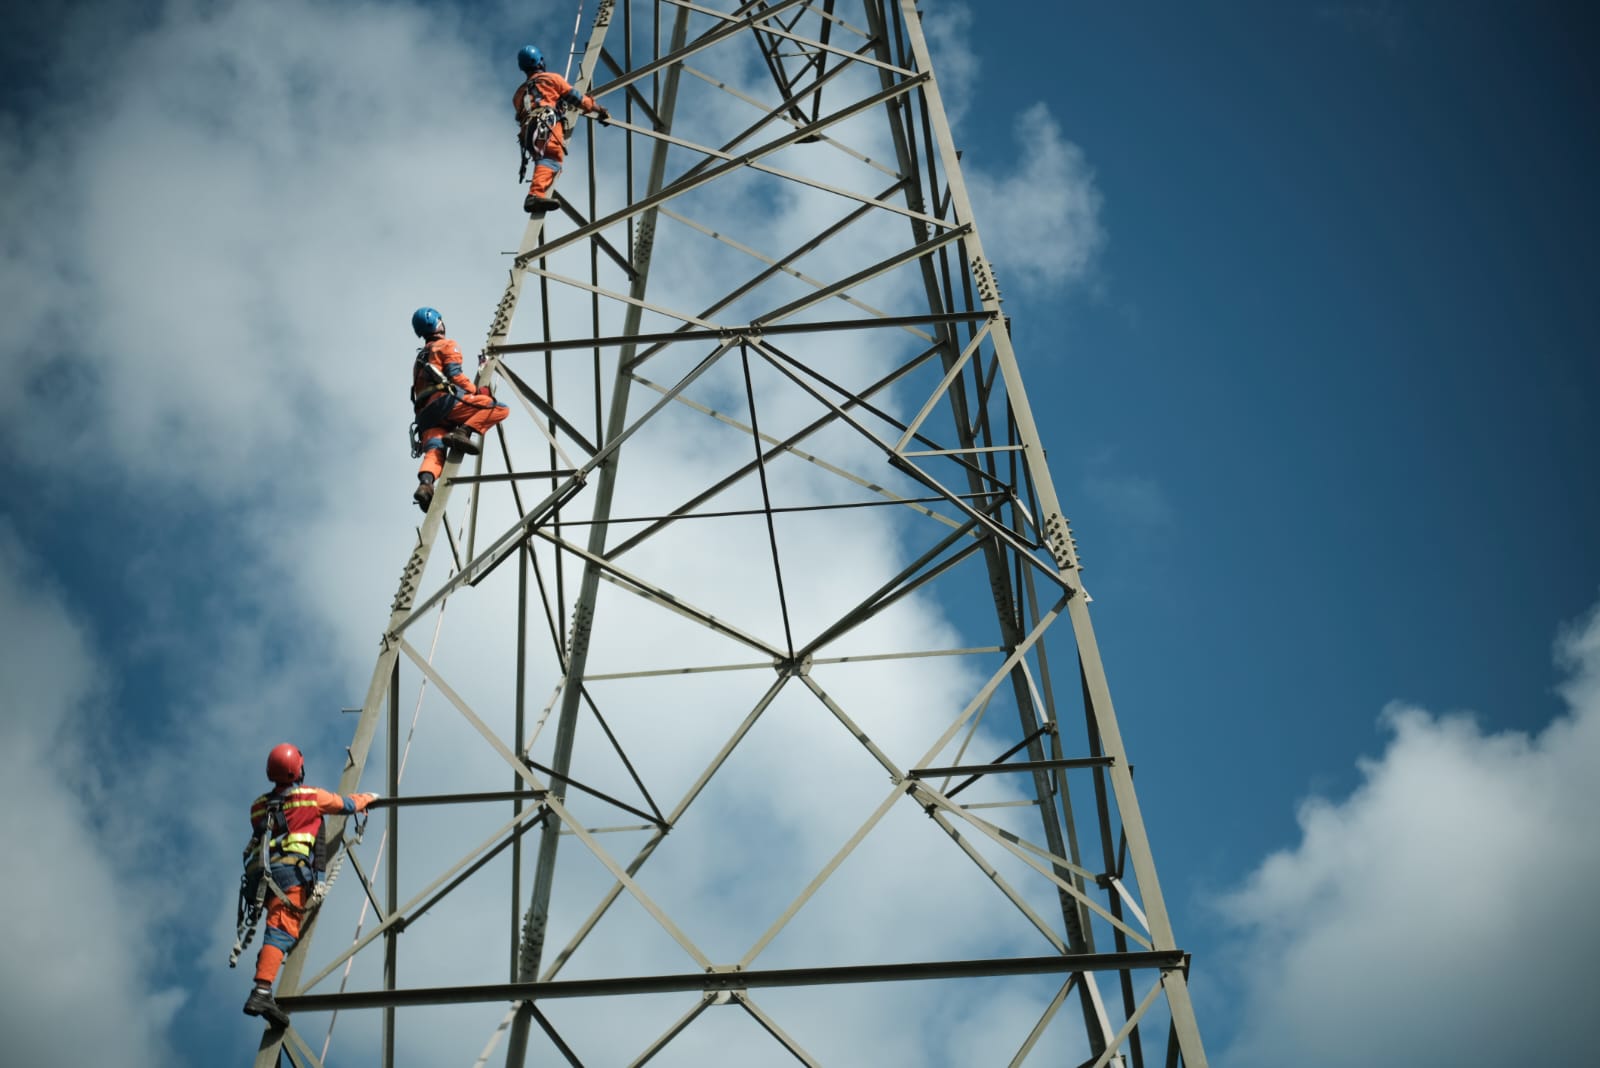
(833, 445)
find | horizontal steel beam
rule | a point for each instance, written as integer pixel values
(515, 476)
(752, 330)
(713, 982)
(1020, 765)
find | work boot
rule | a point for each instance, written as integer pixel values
(460, 438)
(539, 205)
(424, 494)
(261, 1003)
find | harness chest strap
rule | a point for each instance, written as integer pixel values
(279, 844)
(263, 853)
(420, 395)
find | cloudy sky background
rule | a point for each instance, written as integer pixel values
(1310, 333)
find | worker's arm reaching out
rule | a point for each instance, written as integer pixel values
(331, 803)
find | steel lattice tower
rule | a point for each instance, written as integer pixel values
(762, 600)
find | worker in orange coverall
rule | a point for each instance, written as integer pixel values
(289, 816)
(449, 405)
(539, 102)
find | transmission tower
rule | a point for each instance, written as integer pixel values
(766, 722)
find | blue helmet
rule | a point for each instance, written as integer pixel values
(425, 322)
(530, 59)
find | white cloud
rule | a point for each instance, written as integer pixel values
(234, 238)
(211, 270)
(76, 986)
(1442, 914)
(1040, 218)
(948, 28)
(1039, 209)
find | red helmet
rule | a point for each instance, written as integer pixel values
(285, 764)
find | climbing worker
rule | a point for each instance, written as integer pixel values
(449, 406)
(539, 103)
(286, 822)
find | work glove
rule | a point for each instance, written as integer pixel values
(363, 800)
(605, 116)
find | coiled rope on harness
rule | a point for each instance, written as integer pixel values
(336, 865)
(534, 135)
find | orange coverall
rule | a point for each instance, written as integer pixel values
(443, 397)
(290, 863)
(546, 89)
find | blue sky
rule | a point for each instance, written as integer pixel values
(1343, 331)
(1317, 358)
(1344, 327)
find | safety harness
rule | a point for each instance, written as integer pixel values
(534, 135)
(428, 395)
(535, 131)
(259, 856)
